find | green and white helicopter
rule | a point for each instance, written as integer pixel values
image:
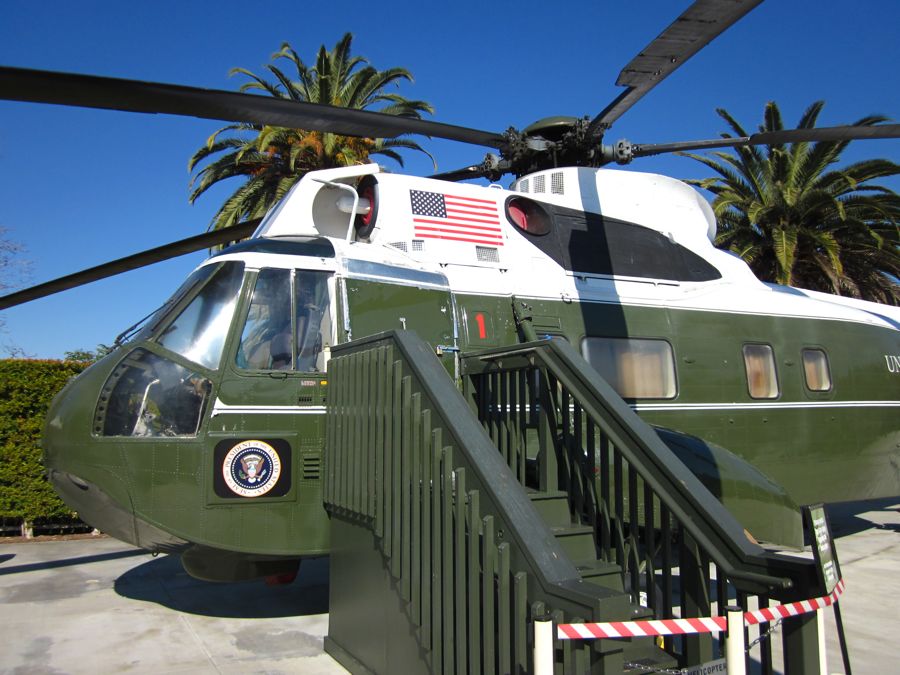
(203, 431)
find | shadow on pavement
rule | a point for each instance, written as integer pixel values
(846, 518)
(164, 582)
(66, 562)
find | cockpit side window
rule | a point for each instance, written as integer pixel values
(312, 319)
(198, 332)
(288, 323)
(266, 339)
(151, 396)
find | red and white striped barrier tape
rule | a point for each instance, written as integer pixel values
(624, 629)
(793, 608)
(713, 624)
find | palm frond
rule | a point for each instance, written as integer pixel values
(797, 217)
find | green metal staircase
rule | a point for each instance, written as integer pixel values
(461, 517)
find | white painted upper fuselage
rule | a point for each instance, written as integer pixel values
(473, 243)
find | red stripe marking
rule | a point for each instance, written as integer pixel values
(494, 231)
(767, 613)
(433, 231)
(455, 217)
(696, 624)
(620, 628)
(482, 331)
(568, 632)
(472, 199)
(474, 241)
(596, 630)
(486, 217)
(474, 207)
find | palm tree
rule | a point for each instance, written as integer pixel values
(797, 221)
(272, 159)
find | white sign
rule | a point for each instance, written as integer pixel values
(709, 668)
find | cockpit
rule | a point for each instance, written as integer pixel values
(243, 341)
(226, 318)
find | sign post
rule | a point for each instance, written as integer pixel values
(829, 570)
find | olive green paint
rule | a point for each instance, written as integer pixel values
(824, 453)
(816, 453)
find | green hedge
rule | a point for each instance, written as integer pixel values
(26, 389)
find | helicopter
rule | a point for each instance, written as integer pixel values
(202, 432)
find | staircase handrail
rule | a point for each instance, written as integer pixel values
(711, 525)
(549, 567)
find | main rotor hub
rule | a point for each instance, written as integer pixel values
(552, 142)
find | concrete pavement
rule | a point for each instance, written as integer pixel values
(100, 606)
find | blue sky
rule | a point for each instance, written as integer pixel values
(80, 187)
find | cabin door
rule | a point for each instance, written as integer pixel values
(274, 382)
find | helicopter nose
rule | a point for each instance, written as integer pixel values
(90, 474)
(98, 509)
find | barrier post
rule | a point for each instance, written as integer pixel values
(543, 646)
(823, 657)
(735, 652)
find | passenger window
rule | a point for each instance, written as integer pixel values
(288, 323)
(635, 368)
(762, 379)
(816, 370)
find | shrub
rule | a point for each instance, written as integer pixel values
(26, 388)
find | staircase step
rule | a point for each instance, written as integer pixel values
(644, 654)
(607, 575)
(576, 540)
(553, 507)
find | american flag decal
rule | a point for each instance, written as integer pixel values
(455, 218)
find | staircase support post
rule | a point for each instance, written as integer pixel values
(801, 644)
(695, 591)
(548, 468)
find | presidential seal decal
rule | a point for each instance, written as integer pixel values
(251, 468)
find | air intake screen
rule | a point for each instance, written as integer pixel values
(557, 186)
(487, 254)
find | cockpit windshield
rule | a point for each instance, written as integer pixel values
(198, 332)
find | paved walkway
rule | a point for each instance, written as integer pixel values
(868, 545)
(99, 606)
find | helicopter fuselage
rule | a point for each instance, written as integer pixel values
(207, 427)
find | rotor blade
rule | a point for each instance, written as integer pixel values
(90, 91)
(827, 134)
(132, 262)
(689, 33)
(473, 171)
